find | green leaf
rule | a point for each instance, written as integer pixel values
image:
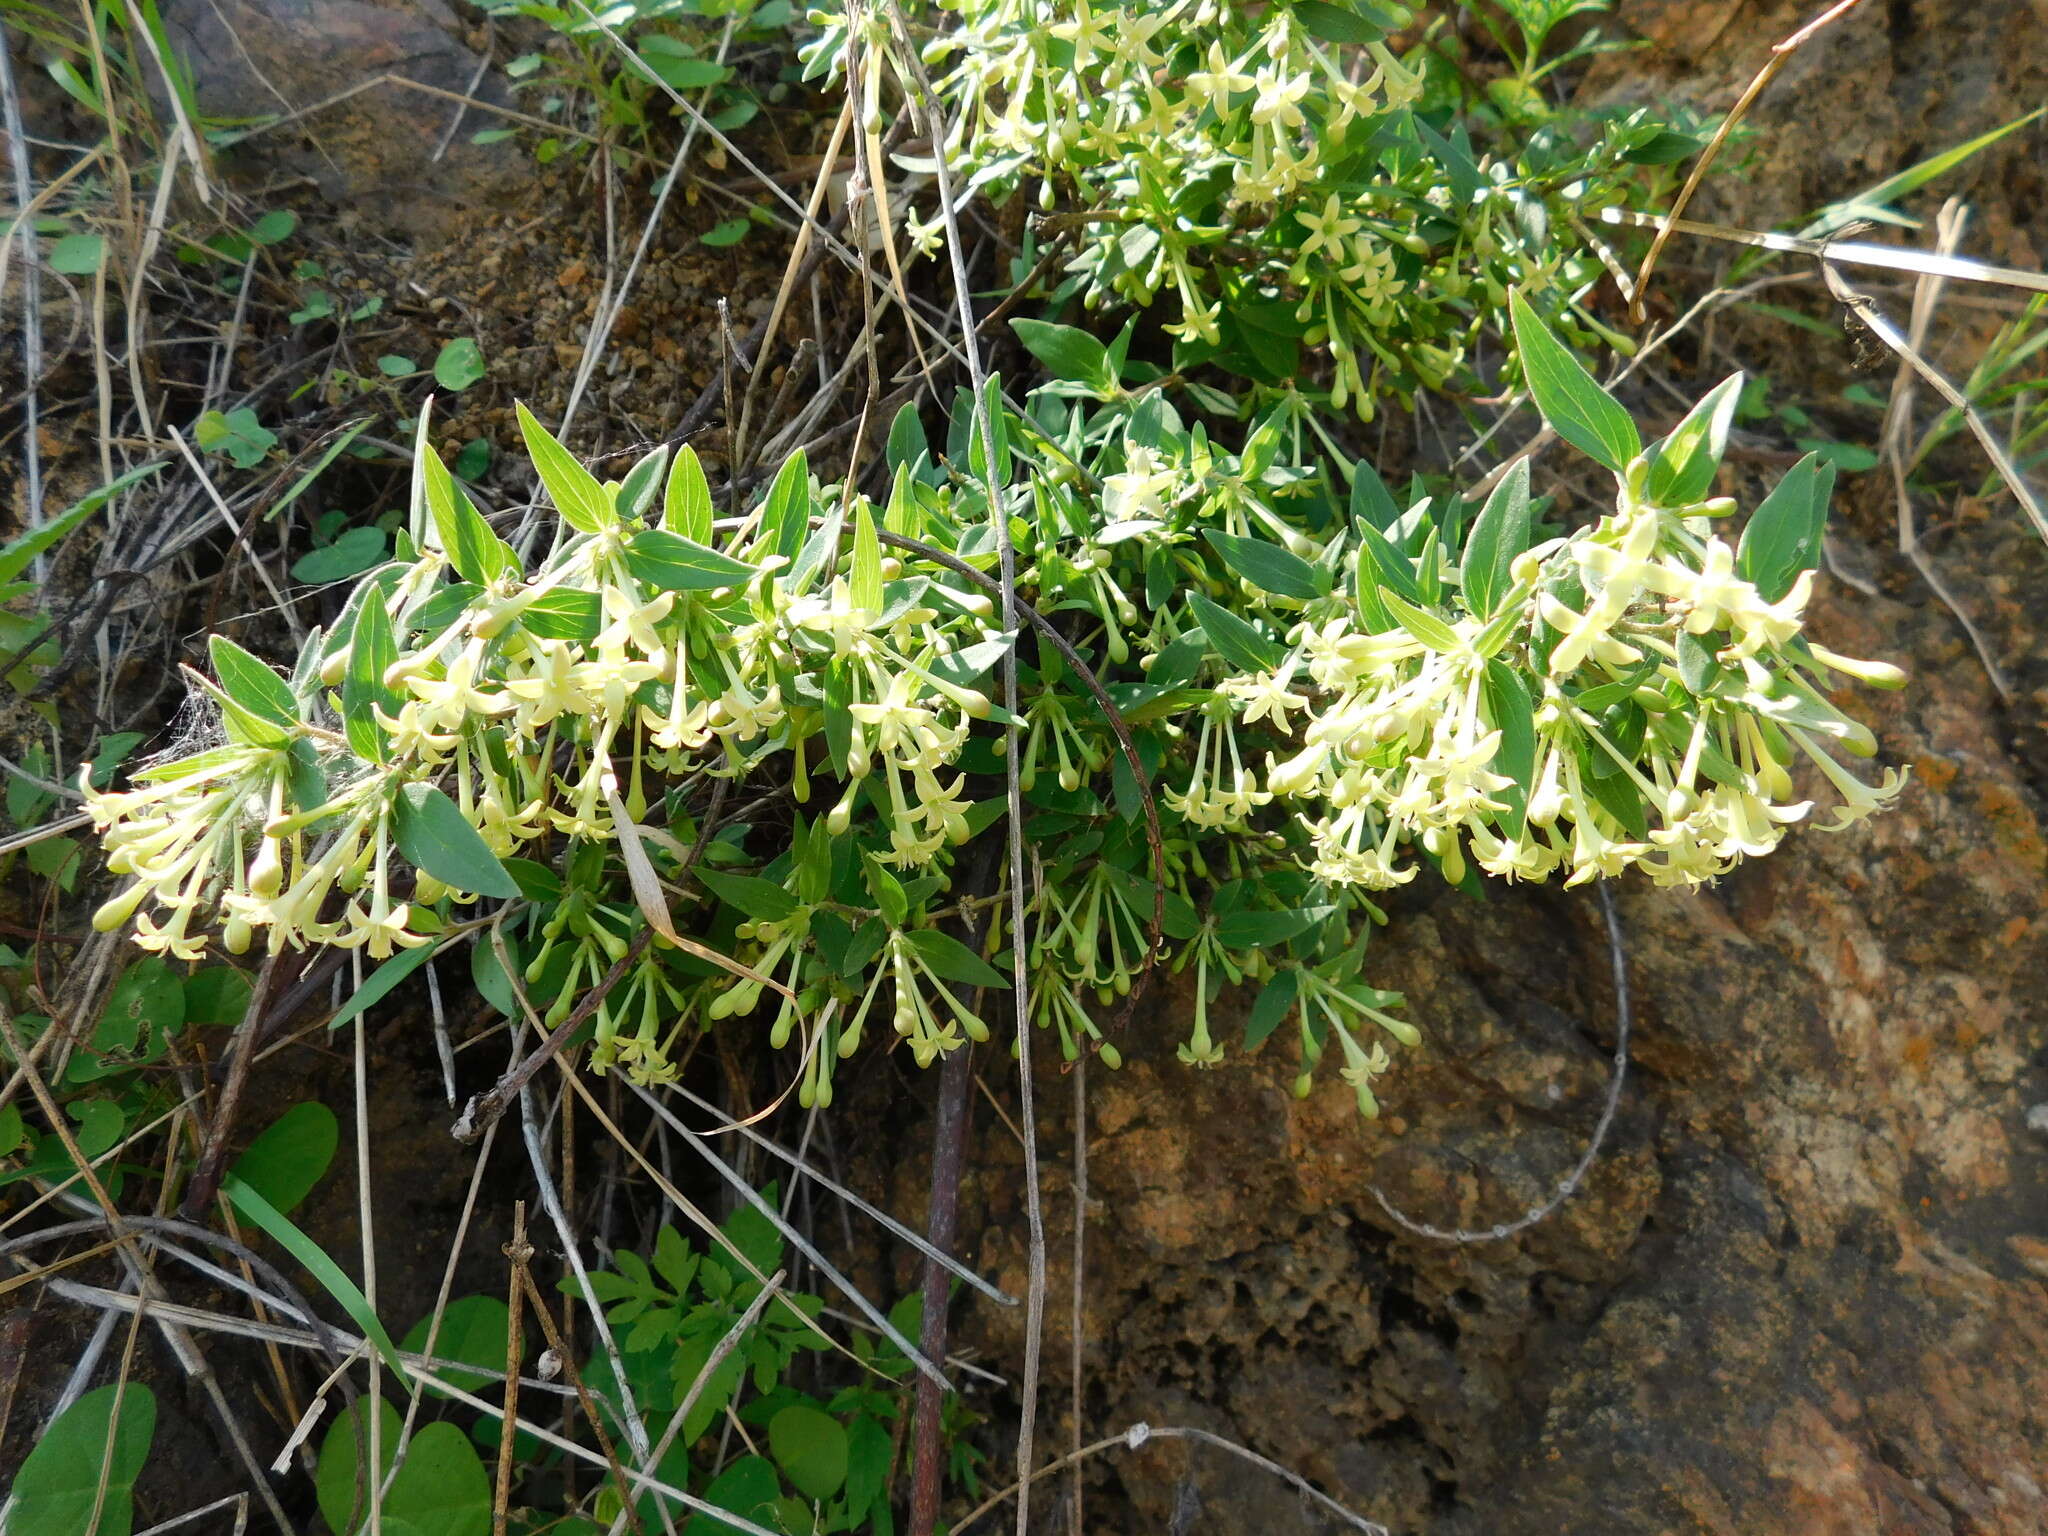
(750, 1231)
(1073, 355)
(251, 684)
(1571, 400)
(585, 505)
(968, 665)
(274, 226)
(1354, 21)
(287, 1161)
(1265, 565)
(674, 562)
(1892, 188)
(334, 1476)
(477, 1330)
(563, 614)
(372, 650)
(868, 1453)
(382, 982)
(78, 255)
(459, 364)
(1502, 531)
(100, 1124)
(437, 838)
(1514, 715)
(906, 437)
(999, 434)
(58, 1485)
(1371, 502)
(251, 1205)
(144, 1008)
(1683, 463)
(18, 554)
(442, 1489)
(686, 505)
(1232, 638)
(812, 1448)
(636, 491)
(1664, 147)
(1784, 533)
(476, 552)
(216, 994)
(536, 881)
(1257, 930)
(867, 559)
(1388, 569)
(356, 550)
(887, 891)
(678, 69)
(727, 232)
(950, 960)
(748, 1488)
(762, 900)
(1422, 624)
(112, 751)
(1698, 668)
(392, 366)
(786, 514)
(1275, 999)
(236, 433)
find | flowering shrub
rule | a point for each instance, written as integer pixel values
(1330, 690)
(1295, 185)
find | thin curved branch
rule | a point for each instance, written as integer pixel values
(1618, 958)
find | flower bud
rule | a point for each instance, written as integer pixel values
(118, 909)
(266, 870)
(1879, 674)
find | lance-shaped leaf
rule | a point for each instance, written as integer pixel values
(636, 491)
(372, 650)
(867, 559)
(439, 839)
(251, 684)
(686, 505)
(477, 553)
(1233, 639)
(1682, 464)
(1266, 566)
(1784, 533)
(1571, 400)
(584, 503)
(1500, 533)
(675, 562)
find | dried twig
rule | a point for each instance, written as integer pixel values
(1006, 558)
(1781, 54)
(1898, 422)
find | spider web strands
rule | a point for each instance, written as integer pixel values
(1618, 958)
(1857, 253)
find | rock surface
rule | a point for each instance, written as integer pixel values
(1802, 1290)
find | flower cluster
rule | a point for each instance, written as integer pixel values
(1634, 763)
(1273, 170)
(1323, 701)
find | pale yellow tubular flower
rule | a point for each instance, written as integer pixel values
(547, 689)
(1858, 799)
